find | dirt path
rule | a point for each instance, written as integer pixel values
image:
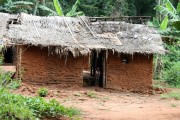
(99, 104)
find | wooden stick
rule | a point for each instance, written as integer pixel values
(20, 58)
(69, 30)
(87, 26)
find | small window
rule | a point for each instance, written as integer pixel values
(125, 58)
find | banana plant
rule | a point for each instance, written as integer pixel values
(170, 25)
(71, 13)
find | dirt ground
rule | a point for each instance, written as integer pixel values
(101, 104)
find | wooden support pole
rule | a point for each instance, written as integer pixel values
(19, 63)
(20, 58)
(104, 68)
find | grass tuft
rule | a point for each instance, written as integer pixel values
(43, 92)
(174, 95)
(91, 94)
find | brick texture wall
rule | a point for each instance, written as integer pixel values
(136, 75)
(39, 67)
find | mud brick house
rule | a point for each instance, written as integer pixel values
(58, 49)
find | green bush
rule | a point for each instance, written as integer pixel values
(7, 82)
(169, 66)
(14, 112)
(17, 107)
(172, 76)
(14, 84)
(43, 92)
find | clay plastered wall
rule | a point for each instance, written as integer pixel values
(134, 76)
(38, 67)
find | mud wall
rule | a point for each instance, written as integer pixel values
(39, 67)
(135, 75)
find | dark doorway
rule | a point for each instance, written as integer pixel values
(98, 67)
(8, 55)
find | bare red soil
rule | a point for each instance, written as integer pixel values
(100, 104)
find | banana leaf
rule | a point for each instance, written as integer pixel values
(164, 23)
(58, 8)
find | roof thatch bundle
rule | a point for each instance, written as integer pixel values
(80, 36)
(4, 17)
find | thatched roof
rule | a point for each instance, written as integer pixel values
(79, 35)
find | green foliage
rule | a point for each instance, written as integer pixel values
(23, 3)
(58, 8)
(178, 9)
(14, 84)
(154, 23)
(44, 8)
(6, 80)
(17, 107)
(71, 12)
(164, 23)
(169, 18)
(169, 28)
(158, 86)
(135, 7)
(167, 9)
(172, 57)
(89, 7)
(174, 95)
(125, 7)
(91, 94)
(176, 24)
(28, 6)
(43, 92)
(172, 75)
(171, 66)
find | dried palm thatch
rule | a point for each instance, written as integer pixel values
(80, 36)
(135, 38)
(4, 17)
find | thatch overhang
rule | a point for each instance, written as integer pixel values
(80, 36)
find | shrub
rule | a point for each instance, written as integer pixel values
(43, 92)
(7, 82)
(14, 84)
(169, 66)
(17, 107)
(172, 76)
